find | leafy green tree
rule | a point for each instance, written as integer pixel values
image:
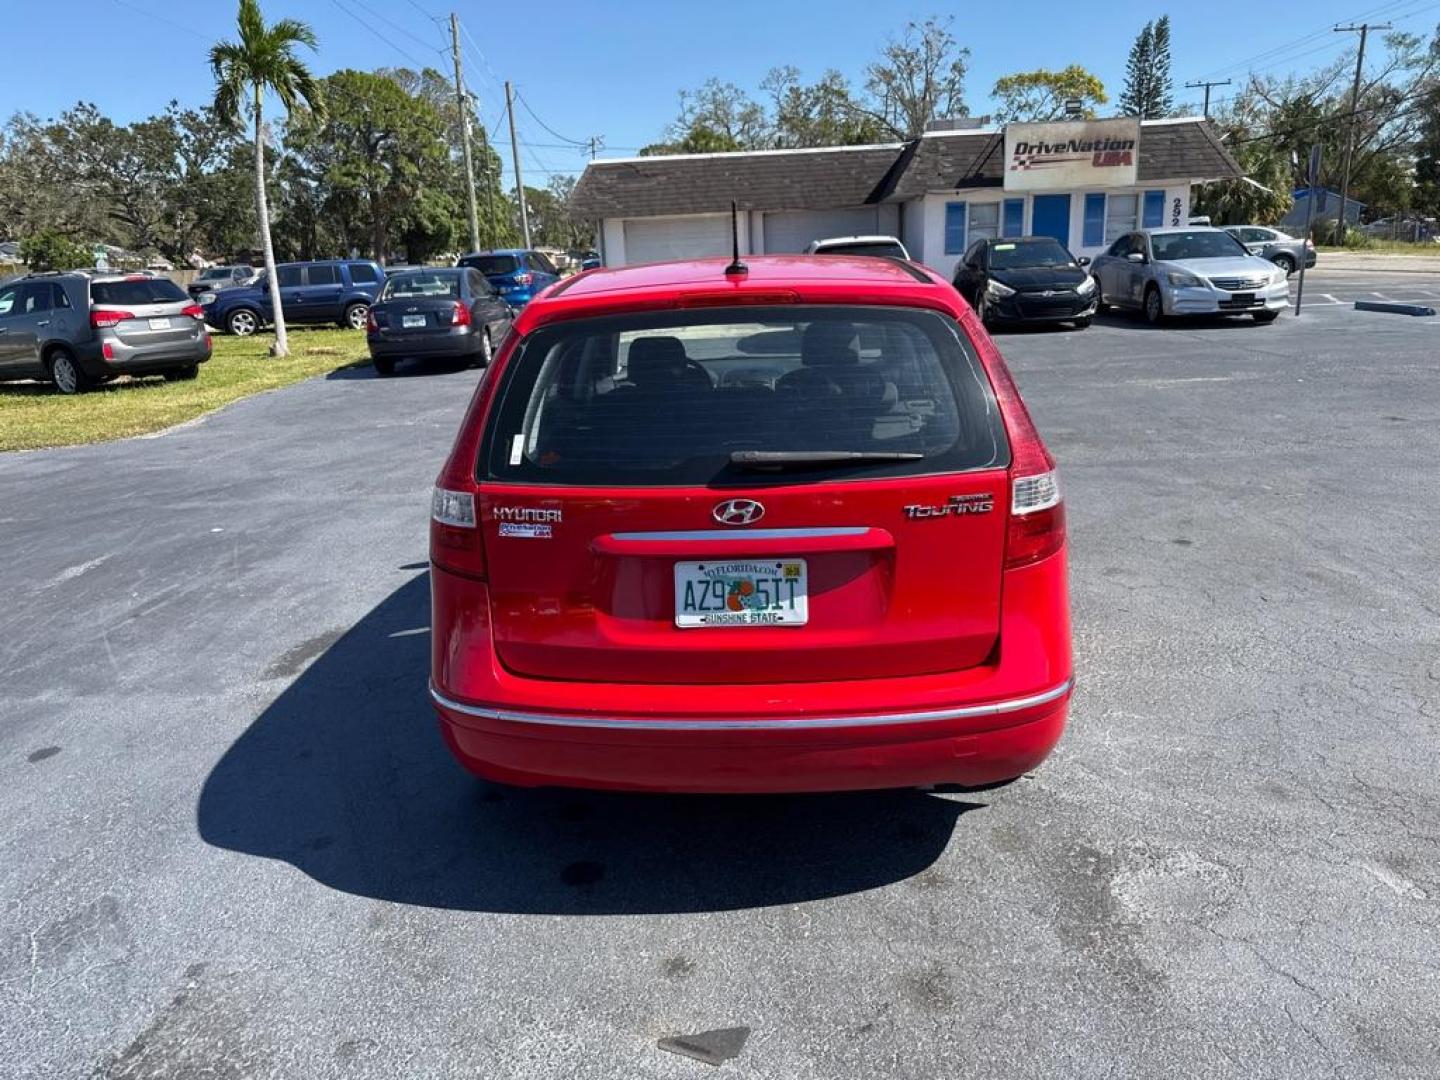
(380, 157)
(1042, 94)
(263, 61)
(1149, 92)
(51, 250)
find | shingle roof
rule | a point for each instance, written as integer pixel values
(837, 177)
(1178, 150)
(700, 183)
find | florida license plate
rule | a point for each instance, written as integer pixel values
(749, 592)
(409, 322)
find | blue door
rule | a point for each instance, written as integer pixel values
(1050, 216)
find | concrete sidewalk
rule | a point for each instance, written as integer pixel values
(1388, 264)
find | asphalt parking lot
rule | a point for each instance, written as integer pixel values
(233, 845)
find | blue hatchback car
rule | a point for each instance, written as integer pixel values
(517, 273)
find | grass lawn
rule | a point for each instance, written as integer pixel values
(33, 415)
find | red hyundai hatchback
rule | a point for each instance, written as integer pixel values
(784, 530)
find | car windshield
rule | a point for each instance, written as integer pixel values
(1022, 253)
(715, 396)
(1201, 244)
(215, 273)
(492, 265)
(865, 247)
(432, 284)
(137, 291)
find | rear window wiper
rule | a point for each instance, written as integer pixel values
(783, 459)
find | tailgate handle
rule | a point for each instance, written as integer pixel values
(744, 541)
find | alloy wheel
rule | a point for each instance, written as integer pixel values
(62, 370)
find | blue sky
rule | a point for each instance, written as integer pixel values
(592, 67)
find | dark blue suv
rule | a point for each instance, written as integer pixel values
(517, 273)
(328, 291)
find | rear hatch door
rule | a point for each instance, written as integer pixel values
(665, 499)
(155, 310)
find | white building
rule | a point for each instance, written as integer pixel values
(1084, 182)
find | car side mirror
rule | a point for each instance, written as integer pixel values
(1136, 257)
(1083, 260)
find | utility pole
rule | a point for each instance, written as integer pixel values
(464, 108)
(515, 156)
(1364, 29)
(595, 143)
(1207, 85)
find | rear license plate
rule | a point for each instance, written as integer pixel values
(411, 321)
(159, 324)
(751, 592)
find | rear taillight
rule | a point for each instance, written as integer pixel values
(101, 319)
(195, 311)
(1037, 513)
(460, 316)
(371, 326)
(524, 279)
(107, 350)
(454, 538)
(1037, 519)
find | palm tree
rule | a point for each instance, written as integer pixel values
(264, 60)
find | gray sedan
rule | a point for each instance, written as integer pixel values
(1283, 250)
(1188, 271)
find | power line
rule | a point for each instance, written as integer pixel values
(1275, 52)
(161, 18)
(547, 127)
(396, 26)
(419, 64)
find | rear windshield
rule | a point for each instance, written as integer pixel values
(139, 291)
(1029, 253)
(1205, 244)
(410, 286)
(492, 264)
(872, 247)
(668, 398)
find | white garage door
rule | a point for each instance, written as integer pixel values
(792, 230)
(650, 240)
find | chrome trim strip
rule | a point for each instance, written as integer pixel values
(741, 534)
(805, 723)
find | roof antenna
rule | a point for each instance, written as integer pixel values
(736, 267)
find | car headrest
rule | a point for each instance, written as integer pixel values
(661, 362)
(829, 344)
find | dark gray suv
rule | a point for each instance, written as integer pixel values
(78, 330)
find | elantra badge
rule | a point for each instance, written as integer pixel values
(738, 512)
(958, 504)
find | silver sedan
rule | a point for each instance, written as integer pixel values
(1189, 271)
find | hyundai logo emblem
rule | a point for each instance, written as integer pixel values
(738, 512)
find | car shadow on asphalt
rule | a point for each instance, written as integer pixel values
(1130, 321)
(405, 369)
(345, 777)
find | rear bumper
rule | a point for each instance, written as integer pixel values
(971, 727)
(397, 346)
(971, 746)
(138, 360)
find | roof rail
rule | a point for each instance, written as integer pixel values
(910, 268)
